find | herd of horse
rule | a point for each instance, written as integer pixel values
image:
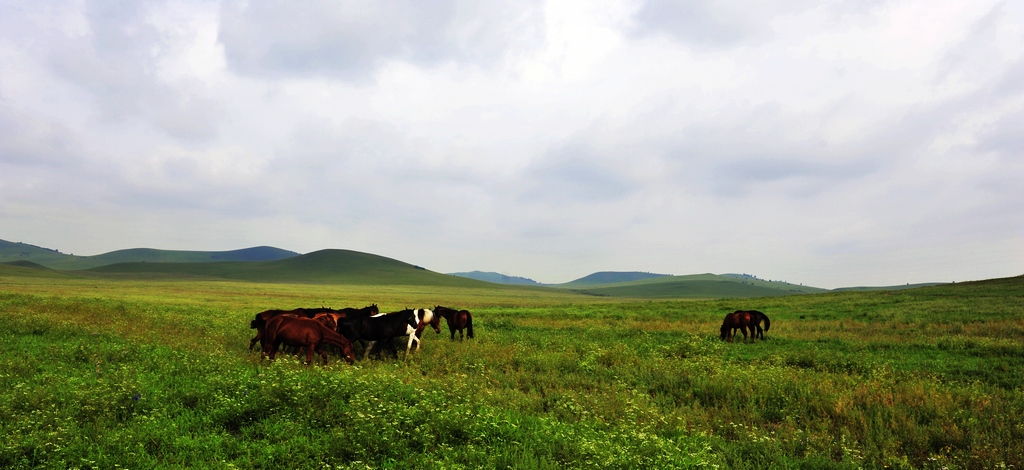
(310, 330)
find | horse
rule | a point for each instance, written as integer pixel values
(259, 323)
(386, 326)
(303, 333)
(261, 319)
(457, 320)
(741, 320)
(756, 317)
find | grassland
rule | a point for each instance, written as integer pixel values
(101, 372)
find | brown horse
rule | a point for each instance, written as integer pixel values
(757, 317)
(303, 333)
(260, 322)
(741, 320)
(457, 320)
(261, 319)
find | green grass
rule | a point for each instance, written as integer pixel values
(100, 373)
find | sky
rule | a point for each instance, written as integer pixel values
(832, 144)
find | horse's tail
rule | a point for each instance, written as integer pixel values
(767, 322)
(469, 325)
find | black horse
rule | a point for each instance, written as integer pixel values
(384, 328)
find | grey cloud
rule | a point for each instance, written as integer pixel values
(576, 175)
(117, 64)
(709, 23)
(351, 39)
(764, 169)
(28, 140)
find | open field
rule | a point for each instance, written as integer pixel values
(102, 372)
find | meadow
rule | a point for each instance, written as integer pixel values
(126, 372)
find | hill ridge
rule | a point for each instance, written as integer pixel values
(54, 259)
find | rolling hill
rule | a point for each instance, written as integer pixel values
(11, 251)
(320, 267)
(611, 277)
(22, 268)
(268, 264)
(902, 287)
(693, 286)
(498, 278)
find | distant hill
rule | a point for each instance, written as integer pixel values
(320, 267)
(693, 286)
(497, 278)
(611, 277)
(26, 264)
(900, 287)
(22, 268)
(10, 251)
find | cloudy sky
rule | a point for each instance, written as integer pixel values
(830, 143)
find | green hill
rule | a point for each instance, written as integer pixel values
(10, 251)
(694, 286)
(871, 288)
(611, 277)
(321, 267)
(22, 268)
(497, 278)
(16, 251)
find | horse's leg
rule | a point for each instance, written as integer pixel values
(309, 355)
(408, 346)
(323, 354)
(273, 349)
(258, 337)
(369, 347)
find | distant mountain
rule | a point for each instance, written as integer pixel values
(611, 277)
(11, 251)
(498, 278)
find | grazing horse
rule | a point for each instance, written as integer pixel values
(457, 320)
(385, 327)
(738, 320)
(303, 333)
(756, 317)
(260, 322)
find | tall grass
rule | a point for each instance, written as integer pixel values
(100, 374)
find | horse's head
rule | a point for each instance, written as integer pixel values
(725, 331)
(373, 309)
